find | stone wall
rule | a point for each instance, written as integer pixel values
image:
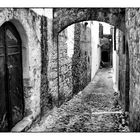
(74, 60)
(39, 62)
(65, 68)
(28, 25)
(85, 47)
(63, 17)
(122, 66)
(81, 65)
(46, 97)
(49, 71)
(133, 37)
(122, 69)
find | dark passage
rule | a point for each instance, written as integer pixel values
(105, 56)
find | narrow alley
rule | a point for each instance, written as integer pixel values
(69, 69)
(95, 109)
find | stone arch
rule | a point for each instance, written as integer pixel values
(25, 48)
(24, 42)
(64, 17)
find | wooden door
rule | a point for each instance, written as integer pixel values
(3, 109)
(11, 87)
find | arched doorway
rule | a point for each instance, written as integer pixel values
(11, 80)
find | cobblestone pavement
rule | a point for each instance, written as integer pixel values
(95, 109)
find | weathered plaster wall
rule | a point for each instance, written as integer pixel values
(115, 61)
(133, 36)
(96, 50)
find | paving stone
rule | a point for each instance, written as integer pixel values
(90, 111)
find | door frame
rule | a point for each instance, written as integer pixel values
(5, 26)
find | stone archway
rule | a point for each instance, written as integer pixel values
(63, 17)
(25, 48)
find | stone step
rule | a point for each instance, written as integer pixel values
(106, 112)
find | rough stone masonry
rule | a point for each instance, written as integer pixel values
(44, 83)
